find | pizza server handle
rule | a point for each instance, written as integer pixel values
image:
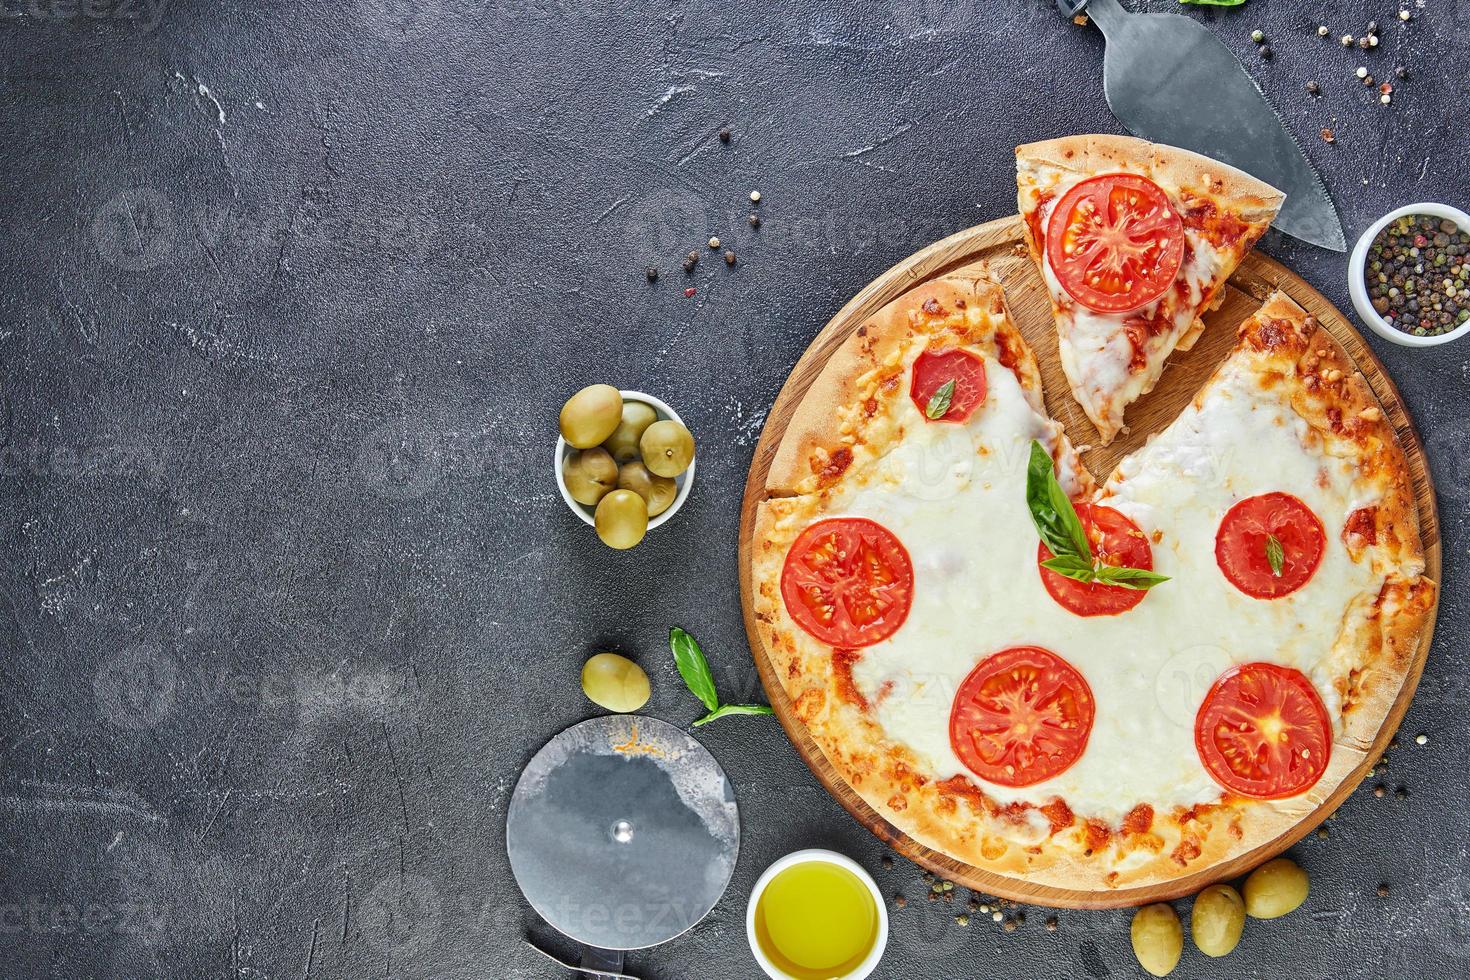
(1104, 12)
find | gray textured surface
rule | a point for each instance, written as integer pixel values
(291, 295)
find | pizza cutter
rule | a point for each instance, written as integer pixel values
(622, 834)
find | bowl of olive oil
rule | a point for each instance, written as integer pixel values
(816, 915)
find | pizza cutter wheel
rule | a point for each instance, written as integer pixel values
(622, 834)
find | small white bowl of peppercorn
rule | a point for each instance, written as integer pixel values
(1409, 275)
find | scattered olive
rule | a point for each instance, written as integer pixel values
(615, 682)
(623, 443)
(1217, 920)
(622, 519)
(668, 448)
(590, 475)
(1274, 889)
(591, 415)
(657, 491)
(1158, 939)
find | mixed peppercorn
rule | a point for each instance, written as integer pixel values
(1418, 275)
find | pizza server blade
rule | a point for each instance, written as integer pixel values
(622, 833)
(1169, 80)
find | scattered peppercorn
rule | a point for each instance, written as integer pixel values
(933, 896)
(1266, 51)
(1328, 136)
(1402, 792)
(1365, 41)
(899, 901)
(689, 265)
(1418, 276)
(886, 861)
(690, 292)
(724, 134)
(1401, 72)
(1404, 15)
(1051, 923)
(1347, 40)
(1386, 88)
(1368, 80)
(962, 919)
(1361, 72)
(1380, 790)
(729, 257)
(1258, 36)
(1372, 27)
(1421, 739)
(1373, 40)
(1010, 925)
(1314, 88)
(997, 916)
(1322, 833)
(755, 197)
(1385, 98)
(714, 242)
(1383, 890)
(755, 221)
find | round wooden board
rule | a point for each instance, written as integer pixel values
(999, 243)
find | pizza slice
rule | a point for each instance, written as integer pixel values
(1135, 242)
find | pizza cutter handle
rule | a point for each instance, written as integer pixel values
(1071, 8)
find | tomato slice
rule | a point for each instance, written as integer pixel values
(1243, 545)
(1022, 716)
(848, 581)
(933, 369)
(1116, 541)
(1115, 243)
(1263, 732)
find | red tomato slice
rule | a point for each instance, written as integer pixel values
(1116, 541)
(848, 581)
(1115, 243)
(1263, 732)
(1242, 544)
(1022, 716)
(934, 368)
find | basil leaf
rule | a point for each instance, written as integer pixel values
(735, 709)
(938, 406)
(1275, 554)
(1072, 566)
(1053, 514)
(693, 667)
(1129, 578)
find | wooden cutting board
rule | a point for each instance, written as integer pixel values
(999, 243)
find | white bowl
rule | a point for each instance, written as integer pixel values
(869, 963)
(1358, 267)
(684, 480)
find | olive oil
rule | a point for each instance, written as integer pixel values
(816, 921)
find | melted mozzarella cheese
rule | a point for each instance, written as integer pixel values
(955, 496)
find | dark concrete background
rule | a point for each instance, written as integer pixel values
(292, 293)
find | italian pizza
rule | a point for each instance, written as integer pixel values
(1134, 241)
(1086, 683)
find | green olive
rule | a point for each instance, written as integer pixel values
(623, 443)
(590, 475)
(657, 491)
(1158, 939)
(1217, 919)
(591, 415)
(616, 683)
(622, 519)
(667, 448)
(1274, 889)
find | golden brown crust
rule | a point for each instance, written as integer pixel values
(1087, 154)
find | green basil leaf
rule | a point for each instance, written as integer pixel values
(1129, 578)
(1071, 566)
(1053, 514)
(693, 667)
(1275, 554)
(938, 405)
(735, 709)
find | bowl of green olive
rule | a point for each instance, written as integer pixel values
(624, 462)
